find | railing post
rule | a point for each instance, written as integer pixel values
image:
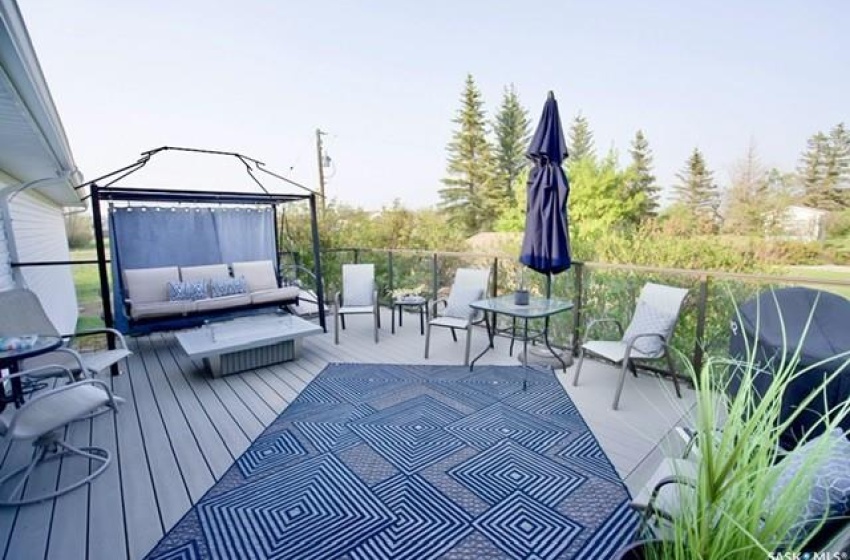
(577, 304)
(702, 304)
(390, 274)
(356, 256)
(495, 273)
(435, 282)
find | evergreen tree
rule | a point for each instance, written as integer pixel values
(511, 129)
(697, 193)
(837, 166)
(580, 140)
(464, 198)
(749, 205)
(811, 173)
(641, 179)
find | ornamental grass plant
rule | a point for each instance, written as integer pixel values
(749, 496)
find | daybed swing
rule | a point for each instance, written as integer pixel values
(181, 258)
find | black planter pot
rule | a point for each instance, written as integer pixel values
(639, 550)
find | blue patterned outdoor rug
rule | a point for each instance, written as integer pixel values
(416, 462)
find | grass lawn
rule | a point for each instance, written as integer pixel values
(87, 282)
(824, 273)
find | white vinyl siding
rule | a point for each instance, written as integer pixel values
(39, 231)
(6, 280)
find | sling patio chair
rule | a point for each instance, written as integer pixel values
(646, 338)
(43, 419)
(359, 296)
(470, 284)
(21, 313)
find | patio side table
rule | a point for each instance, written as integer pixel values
(400, 304)
(10, 359)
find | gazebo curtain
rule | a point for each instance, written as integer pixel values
(146, 237)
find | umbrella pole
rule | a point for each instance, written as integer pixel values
(548, 285)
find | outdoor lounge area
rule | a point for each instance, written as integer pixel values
(179, 430)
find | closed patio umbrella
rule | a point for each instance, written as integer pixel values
(546, 244)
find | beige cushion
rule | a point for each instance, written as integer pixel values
(259, 274)
(223, 302)
(147, 285)
(204, 272)
(287, 293)
(161, 309)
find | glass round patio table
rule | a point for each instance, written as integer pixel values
(10, 360)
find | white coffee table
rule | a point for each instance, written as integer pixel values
(247, 343)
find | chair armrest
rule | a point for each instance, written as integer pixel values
(104, 330)
(337, 300)
(433, 305)
(593, 322)
(49, 370)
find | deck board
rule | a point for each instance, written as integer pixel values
(180, 429)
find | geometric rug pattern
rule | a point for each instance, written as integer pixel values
(376, 461)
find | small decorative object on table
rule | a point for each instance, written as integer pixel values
(521, 297)
(409, 297)
(25, 342)
(521, 294)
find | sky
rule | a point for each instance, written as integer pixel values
(384, 80)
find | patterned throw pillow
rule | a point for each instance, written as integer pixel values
(221, 287)
(649, 319)
(187, 291)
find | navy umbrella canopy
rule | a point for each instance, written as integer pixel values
(546, 244)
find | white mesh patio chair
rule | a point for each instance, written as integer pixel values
(21, 313)
(43, 419)
(359, 296)
(646, 338)
(470, 284)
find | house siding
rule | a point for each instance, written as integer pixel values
(38, 226)
(6, 280)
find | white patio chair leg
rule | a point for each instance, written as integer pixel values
(622, 382)
(427, 338)
(468, 343)
(578, 366)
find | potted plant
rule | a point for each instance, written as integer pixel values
(749, 499)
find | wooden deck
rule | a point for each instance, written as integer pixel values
(180, 429)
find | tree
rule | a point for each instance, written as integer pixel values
(641, 179)
(511, 129)
(698, 194)
(580, 140)
(837, 165)
(749, 206)
(513, 217)
(599, 198)
(824, 170)
(464, 197)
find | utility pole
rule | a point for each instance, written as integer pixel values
(321, 161)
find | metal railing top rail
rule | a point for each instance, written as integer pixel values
(695, 272)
